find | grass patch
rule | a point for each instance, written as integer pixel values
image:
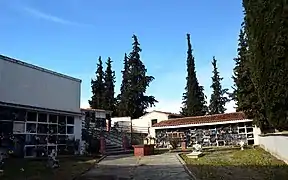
(255, 164)
(37, 170)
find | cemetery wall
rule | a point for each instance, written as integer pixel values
(276, 144)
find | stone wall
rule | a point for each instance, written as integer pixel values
(276, 144)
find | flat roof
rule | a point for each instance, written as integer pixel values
(5, 58)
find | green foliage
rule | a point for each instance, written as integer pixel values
(97, 86)
(218, 96)
(245, 93)
(132, 100)
(267, 39)
(109, 80)
(122, 98)
(194, 98)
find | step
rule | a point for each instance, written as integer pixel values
(113, 146)
(114, 149)
(119, 152)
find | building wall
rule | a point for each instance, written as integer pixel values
(120, 119)
(78, 128)
(123, 123)
(144, 122)
(209, 134)
(25, 84)
(276, 144)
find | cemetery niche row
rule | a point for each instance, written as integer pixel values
(33, 134)
(211, 135)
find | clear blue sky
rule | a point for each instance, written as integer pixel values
(67, 36)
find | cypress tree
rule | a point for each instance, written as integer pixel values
(267, 31)
(122, 98)
(135, 83)
(97, 85)
(218, 98)
(109, 80)
(193, 98)
(244, 93)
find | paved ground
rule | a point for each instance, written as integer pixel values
(124, 167)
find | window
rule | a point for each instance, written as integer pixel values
(42, 117)
(153, 121)
(31, 116)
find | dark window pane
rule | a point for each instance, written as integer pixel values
(6, 113)
(70, 120)
(42, 117)
(31, 116)
(53, 118)
(62, 120)
(153, 121)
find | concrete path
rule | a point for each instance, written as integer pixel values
(123, 167)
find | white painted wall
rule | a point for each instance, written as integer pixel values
(256, 133)
(124, 120)
(78, 128)
(277, 145)
(26, 84)
(144, 122)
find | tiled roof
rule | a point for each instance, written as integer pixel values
(202, 119)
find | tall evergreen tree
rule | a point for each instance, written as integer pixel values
(244, 93)
(194, 98)
(109, 80)
(267, 34)
(134, 99)
(97, 85)
(123, 97)
(218, 97)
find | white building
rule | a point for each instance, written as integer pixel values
(210, 130)
(145, 122)
(41, 108)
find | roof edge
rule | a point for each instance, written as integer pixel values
(16, 61)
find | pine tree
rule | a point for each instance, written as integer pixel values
(97, 85)
(194, 98)
(267, 34)
(109, 80)
(134, 85)
(218, 97)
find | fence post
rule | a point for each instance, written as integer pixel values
(124, 142)
(102, 145)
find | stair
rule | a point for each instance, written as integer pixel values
(112, 149)
(114, 143)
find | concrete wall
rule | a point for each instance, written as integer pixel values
(78, 128)
(276, 144)
(256, 133)
(26, 84)
(121, 120)
(144, 122)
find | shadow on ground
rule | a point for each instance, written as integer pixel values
(157, 172)
(243, 172)
(129, 167)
